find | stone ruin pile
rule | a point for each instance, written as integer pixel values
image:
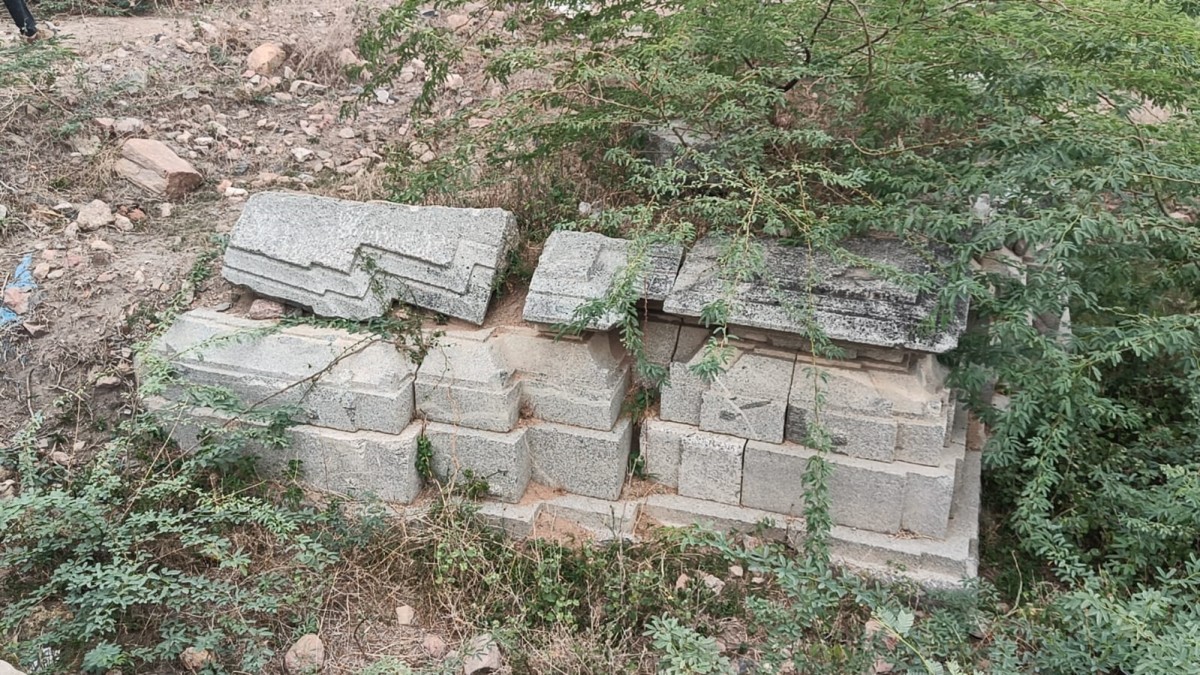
(518, 407)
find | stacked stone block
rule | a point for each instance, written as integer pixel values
(743, 438)
(352, 394)
(502, 407)
(573, 390)
(512, 405)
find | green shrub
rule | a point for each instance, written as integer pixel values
(962, 128)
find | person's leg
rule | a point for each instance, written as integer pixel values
(22, 17)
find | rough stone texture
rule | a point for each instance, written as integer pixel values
(711, 467)
(661, 446)
(500, 459)
(153, 166)
(481, 656)
(658, 340)
(875, 496)
(581, 461)
(607, 520)
(339, 380)
(353, 259)
(465, 380)
(851, 302)
(750, 398)
(360, 464)
(873, 414)
(307, 656)
(581, 382)
(266, 58)
(576, 268)
(683, 393)
(691, 341)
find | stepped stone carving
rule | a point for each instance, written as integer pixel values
(581, 382)
(465, 380)
(352, 259)
(579, 267)
(850, 302)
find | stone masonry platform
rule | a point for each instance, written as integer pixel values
(542, 423)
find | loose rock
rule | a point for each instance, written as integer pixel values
(108, 382)
(262, 309)
(306, 656)
(17, 299)
(434, 646)
(482, 656)
(128, 125)
(5, 667)
(35, 330)
(155, 167)
(405, 615)
(95, 215)
(266, 58)
(195, 659)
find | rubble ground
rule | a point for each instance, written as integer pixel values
(250, 95)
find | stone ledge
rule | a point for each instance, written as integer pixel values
(849, 302)
(338, 379)
(358, 465)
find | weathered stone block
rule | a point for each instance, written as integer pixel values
(576, 268)
(581, 461)
(580, 382)
(854, 413)
(338, 379)
(661, 446)
(928, 497)
(682, 395)
(711, 467)
(750, 398)
(151, 165)
(920, 441)
(849, 302)
(353, 259)
(465, 380)
(501, 459)
(691, 341)
(360, 464)
(658, 341)
(866, 437)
